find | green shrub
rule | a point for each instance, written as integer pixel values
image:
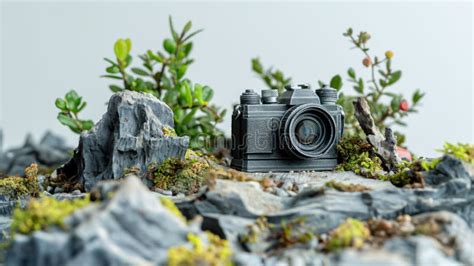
(163, 74)
(377, 88)
(462, 151)
(70, 107)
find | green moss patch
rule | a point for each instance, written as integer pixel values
(462, 151)
(40, 214)
(351, 233)
(215, 252)
(15, 187)
(357, 155)
(179, 176)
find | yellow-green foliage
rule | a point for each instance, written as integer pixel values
(169, 131)
(216, 252)
(351, 233)
(462, 151)
(411, 172)
(294, 232)
(169, 204)
(15, 187)
(357, 155)
(42, 213)
(346, 187)
(185, 176)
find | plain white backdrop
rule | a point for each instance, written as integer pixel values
(48, 48)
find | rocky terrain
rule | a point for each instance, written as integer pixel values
(103, 207)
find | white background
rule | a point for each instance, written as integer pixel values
(48, 48)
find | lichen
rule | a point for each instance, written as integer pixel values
(216, 252)
(346, 187)
(169, 131)
(42, 213)
(179, 176)
(462, 151)
(351, 233)
(15, 187)
(357, 155)
(169, 204)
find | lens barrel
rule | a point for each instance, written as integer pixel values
(307, 131)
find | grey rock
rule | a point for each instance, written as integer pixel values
(52, 151)
(130, 228)
(420, 250)
(130, 134)
(369, 258)
(281, 193)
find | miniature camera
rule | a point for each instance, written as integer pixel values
(298, 130)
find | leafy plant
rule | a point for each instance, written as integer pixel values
(462, 151)
(274, 79)
(162, 74)
(70, 107)
(388, 107)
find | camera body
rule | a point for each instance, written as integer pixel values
(296, 131)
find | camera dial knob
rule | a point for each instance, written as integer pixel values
(249, 97)
(269, 96)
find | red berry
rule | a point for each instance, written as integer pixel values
(404, 105)
(367, 62)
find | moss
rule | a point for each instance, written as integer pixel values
(134, 170)
(294, 232)
(410, 173)
(169, 131)
(462, 151)
(287, 234)
(346, 187)
(169, 204)
(351, 233)
(357, 155)
(43, 213)
(16, 187)
(179, 176)
(216, 252)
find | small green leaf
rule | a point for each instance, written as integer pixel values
(189, 96)
(187, 27)
(111, 77)
(61, 104)
(87, 124)
(112, 69)
(66, 120)
(395, 104)
(207, 93)
(417, 96)
(140, 72)
(81, 106)
(169, 45)
(115, 88)
(173, 31)
(187, 119)
(181, 71)
(257, 66)
(187, 48)
(156, 57)
(394, 77)
(122, 48)
(351, 73)
(198, 94)
(336, 82)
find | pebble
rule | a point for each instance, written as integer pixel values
(291, 193)
(287, 185)
(76, 192)
(58, 190)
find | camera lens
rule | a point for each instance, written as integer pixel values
(307, 131)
